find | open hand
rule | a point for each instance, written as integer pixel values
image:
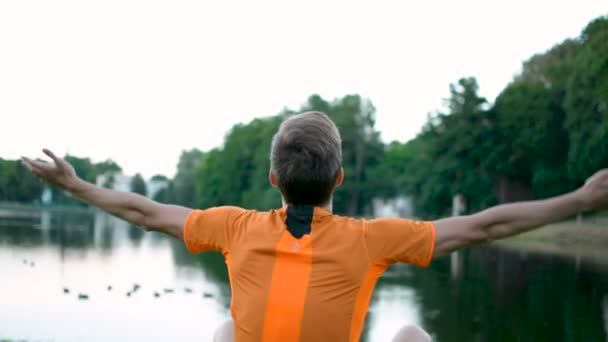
(595, 190)
(59, 173)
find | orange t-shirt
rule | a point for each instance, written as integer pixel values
(300, 273)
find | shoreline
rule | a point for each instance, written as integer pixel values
(588, 240)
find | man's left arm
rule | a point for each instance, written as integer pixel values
(510, 219)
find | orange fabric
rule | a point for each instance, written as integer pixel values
(228, 259)
(391, 240)
(287, 295)
(363, 298)
(317, 290)
(214, 236)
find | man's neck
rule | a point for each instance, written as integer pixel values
(327, 207)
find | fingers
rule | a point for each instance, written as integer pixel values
(27, 163)
(30, 166)
(38, 167)
(58, 161)
(45, 169)
(50, 154)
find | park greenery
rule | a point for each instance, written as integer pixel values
(544, 135)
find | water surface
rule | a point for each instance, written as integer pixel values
(49, 258)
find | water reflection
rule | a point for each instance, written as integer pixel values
(45, 220)
(485, 294)
(455, 264)
(510, 296)
(393, 307)
(94, 279)
(605, 307)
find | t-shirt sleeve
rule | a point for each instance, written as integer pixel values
(211, 229)
(392, 240)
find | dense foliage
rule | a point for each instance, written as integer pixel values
(19, 185)
(544, 135)
(237, 174)
(138, 185)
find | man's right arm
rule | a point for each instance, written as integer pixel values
(131, 207)
(134, 208)
(510, 219)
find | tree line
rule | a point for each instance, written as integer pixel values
(17, 184)
(545, 134)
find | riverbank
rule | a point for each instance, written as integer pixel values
(10, 209)
(587, 239)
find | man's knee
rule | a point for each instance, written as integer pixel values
(225, 332)
(412, 333)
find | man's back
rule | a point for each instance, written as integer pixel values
(300, 273)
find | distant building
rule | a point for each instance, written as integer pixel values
(122, 182)
(400, 206)
(154, 186)
(114, 181)
(47, 195)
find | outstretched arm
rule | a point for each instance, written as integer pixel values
(514, 218)
(131, 207)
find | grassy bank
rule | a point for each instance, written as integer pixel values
(587, 239)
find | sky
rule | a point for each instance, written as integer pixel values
(138, 81)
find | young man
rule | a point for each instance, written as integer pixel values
(300, 273)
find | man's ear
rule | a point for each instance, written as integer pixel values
(340, 177)
(272, 178)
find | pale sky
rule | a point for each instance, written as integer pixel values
(139, 81)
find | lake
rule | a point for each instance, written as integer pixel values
(85, 276)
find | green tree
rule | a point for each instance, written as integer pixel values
(447, 157)
(107, 166)
(362, 150)
(17, 184)
(166, 194)
(393, 169)
(138, 185)
(185, 182)
(160, 178)
(237, 174)
(85, 169)
(586, 102)
(531, 139)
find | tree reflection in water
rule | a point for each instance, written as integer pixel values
(606, 314)
(485, 294)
